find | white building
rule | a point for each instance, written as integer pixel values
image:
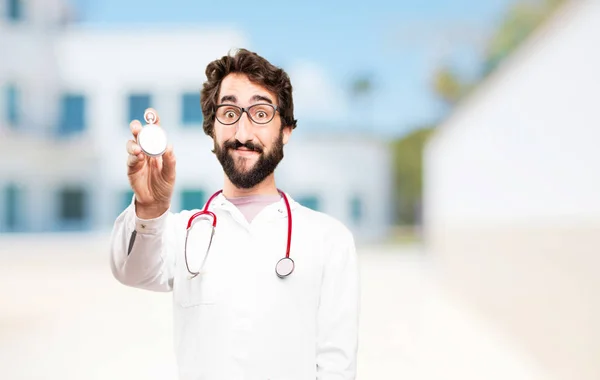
(512, 196)
(68, 93)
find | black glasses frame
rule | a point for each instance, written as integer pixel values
(247, 110)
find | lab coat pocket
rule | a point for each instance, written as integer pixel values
(200, 290)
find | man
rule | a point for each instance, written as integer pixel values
(234, 316)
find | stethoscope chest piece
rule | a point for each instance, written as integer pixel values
(152, 139)
(284, 267)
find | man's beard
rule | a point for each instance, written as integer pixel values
(264, 166)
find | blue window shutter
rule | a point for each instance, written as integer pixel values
(138, 103)
(191, 112)
(73, 114)
(310, 201)
(15, 10)
(12, 204)
(356, 209)
(192, 199)
(12, 105)
(72, 205)
(73, 211)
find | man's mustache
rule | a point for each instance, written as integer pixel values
(248, 145)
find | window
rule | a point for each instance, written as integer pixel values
(138, 103)
(12, 199)
(72, 205)
(191, 112)
(72, 114)
(192, 199)
(356, 209)
(12, 105)
(15, 10)
(309, 201)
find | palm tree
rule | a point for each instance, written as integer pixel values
(361, 100)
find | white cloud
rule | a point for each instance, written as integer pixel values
(316, 96)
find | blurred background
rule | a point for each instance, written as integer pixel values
(455, 139)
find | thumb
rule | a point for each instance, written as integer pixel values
(168, 169)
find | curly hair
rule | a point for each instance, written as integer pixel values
(259, 71)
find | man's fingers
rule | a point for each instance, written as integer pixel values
(169, 163)
(134, 159)
(169, 151)
(135, 127)
(135, 154)
(133, 148)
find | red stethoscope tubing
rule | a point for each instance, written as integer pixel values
(205, 212)
(289, 215)
(214, 224)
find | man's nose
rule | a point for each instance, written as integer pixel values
(244, 131)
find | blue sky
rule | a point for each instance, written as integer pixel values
(397, 43)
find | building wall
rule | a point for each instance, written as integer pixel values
(351, 175)
(512, 211)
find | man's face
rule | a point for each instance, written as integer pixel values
(248, 152)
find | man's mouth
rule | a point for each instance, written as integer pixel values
(246, 152)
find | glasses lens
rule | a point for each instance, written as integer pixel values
(228, 114)
(262, 113)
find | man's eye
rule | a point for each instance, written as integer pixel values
(230, 114)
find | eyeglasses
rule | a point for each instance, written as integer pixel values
(228, 114)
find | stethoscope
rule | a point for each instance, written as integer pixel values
(284, 267)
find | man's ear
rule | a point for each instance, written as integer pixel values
(287, 133)
(214, 149)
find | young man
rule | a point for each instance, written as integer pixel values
(242, 309)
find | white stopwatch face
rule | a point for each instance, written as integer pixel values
(152, 139)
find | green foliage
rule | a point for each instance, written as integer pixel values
(361, 86)
(448, 85)
(408, 164)
(520, 21)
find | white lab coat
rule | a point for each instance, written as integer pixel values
(238, 320)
